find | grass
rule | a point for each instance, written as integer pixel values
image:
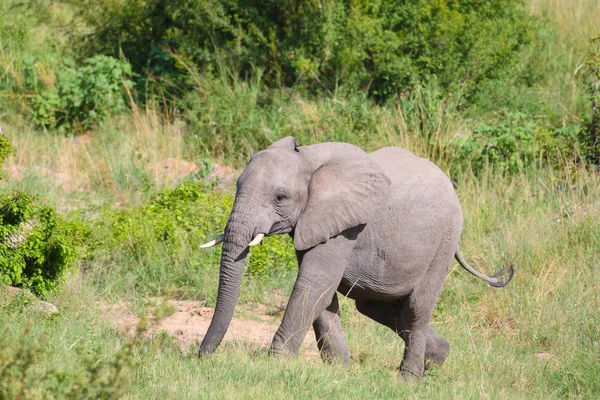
(113, 164)
(567, 48)
(537, 338)
(231, 119)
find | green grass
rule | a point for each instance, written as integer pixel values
(548, 228)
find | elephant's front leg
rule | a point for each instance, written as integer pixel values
(320, 271)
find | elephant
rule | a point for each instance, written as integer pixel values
(381, 228)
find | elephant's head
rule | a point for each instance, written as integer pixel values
(312, 192)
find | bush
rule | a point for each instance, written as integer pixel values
(381, 47)
(42, 77)
(154, 247)
(37, 246)
(513, 143)
(84, 95)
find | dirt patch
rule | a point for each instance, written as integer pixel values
(190, 321)
(544, 355)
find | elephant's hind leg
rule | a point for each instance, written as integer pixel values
(417, 309)
(437, 349)
(390, 315)
(329, 334)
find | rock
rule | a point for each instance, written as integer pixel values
(44, 306)
(225, 177)
(11, 291)
(34, 303)
(173, 169)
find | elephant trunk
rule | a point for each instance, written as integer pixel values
(238, 233)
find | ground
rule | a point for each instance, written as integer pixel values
(190, 320)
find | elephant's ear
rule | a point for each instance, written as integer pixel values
(288, 142)
(343, 193)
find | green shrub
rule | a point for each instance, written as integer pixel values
(512, 143)
(43, 78)
(5, 152)
(379, 46)
(37, 246)
(83, 95)
(154, 247)
(172, 219)
(275, 256)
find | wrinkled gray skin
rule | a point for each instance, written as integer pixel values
(380, 228)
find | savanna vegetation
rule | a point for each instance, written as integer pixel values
(503, 95)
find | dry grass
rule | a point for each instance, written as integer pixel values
(577, 20)
(117, 160)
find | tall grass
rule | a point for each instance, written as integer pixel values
(576, 20)
(536, 339)
(567, 46)
(114, 164)
(230, 118)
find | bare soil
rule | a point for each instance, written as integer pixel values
(190, 321)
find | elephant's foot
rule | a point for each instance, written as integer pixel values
(409, 375)
(334, 356)
(437, 350)
(413, 364)
(278, 349)
(286, 345)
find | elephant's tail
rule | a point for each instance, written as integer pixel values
(495, 280)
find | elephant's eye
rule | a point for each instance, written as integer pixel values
(280, 197)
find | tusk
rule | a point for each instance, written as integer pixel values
(256, 240)
(213, 242)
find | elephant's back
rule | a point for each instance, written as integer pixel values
(401, 165)
(421, 212)
(416, 184)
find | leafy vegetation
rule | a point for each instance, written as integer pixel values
(37, 246)
(382, 47)
(513, 143)
(153, 249)
(85, 95)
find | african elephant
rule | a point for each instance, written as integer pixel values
(381, 228)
